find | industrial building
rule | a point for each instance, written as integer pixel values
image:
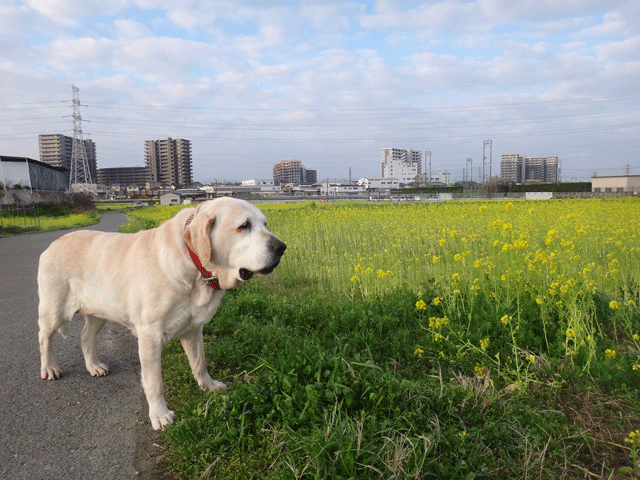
(618, 184)
(26, 173)
(56, 150)
(168, 161)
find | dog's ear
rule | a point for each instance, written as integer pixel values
(197, 235)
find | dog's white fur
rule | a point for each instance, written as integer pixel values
(148, 282)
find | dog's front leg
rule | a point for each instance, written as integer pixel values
(194, 348)
(150, 351)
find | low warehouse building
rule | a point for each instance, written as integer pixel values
(26, 173)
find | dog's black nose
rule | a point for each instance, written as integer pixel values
(278, 247)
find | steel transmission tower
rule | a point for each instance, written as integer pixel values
(427, 153)
(80, 172)
(485, 144)
(467, 175)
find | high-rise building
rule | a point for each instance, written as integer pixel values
(543, 169)
(405, 165)
(169, 161)
(516, 168)
(511, 165)
(293, 172)
(56, 150)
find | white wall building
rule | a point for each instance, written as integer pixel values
(379, 184)
(342, 190)
(265, 186)
(441, 177)
(405, 165)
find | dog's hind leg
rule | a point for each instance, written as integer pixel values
(49, 324)
(92, 326)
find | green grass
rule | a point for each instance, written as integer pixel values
(459, 340)
(21, 225)
(324, 391)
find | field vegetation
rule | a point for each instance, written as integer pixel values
(495, 339)
(78, 211)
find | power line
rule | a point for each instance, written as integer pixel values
(357, 111)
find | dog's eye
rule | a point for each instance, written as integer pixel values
(245, 226)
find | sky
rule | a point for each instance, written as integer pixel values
(329, 83)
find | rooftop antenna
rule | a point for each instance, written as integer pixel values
(80, 175)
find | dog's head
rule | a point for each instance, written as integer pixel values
(231, 239)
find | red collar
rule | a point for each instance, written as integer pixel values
(206, 274)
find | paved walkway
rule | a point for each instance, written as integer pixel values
(79, 427)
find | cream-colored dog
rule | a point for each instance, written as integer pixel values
(162, 283)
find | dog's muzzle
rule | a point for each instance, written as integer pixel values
(277, 248)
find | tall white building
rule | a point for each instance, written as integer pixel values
(405, 165)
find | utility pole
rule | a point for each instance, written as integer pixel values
(80, 173)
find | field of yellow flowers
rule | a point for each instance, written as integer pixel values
(569, 269)
(466, 339)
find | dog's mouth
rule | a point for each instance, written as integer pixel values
(246, 274)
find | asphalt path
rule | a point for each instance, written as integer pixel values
(78, 427)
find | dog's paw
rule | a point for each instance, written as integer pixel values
(98, 370)
(161, 421)
(211, 385)
(50, 373)
(217, 386)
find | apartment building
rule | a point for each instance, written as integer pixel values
(405, 165)
(56, 150)
(293, 172)
(168, 161)
(123, 176)
(516, 168)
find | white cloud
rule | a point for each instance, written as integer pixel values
(629, 49)
(68, 53)
(130, 29)
(70, 13)
(430, 16)
(189, 19)
(613, 23)
(14, 18)
(329, 17)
